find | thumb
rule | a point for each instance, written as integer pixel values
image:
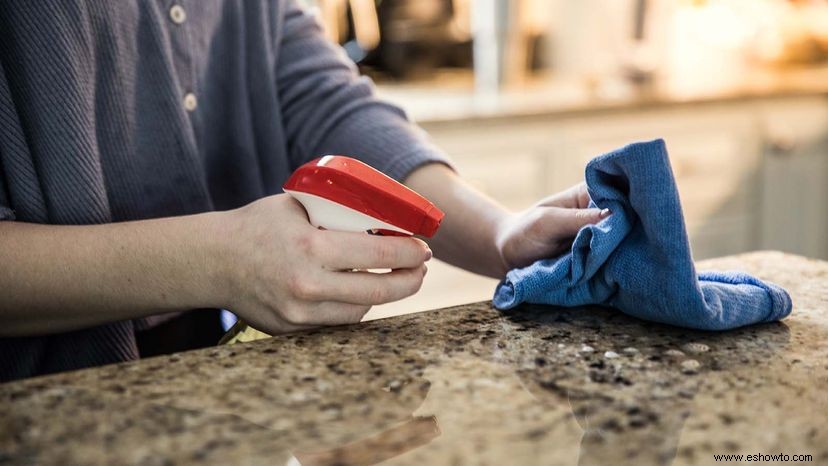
(570, 221)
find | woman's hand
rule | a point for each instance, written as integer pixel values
(288, 275)
(546, 229)
(480, 235)
(263, 261)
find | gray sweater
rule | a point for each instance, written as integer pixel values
(114, 110)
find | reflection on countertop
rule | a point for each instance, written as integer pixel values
(463, 385)
(450, 95)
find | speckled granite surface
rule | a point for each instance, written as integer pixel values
(463, 385)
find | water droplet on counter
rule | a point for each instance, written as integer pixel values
(674, 353)
(561, 346)
(393, 386)
(587, 349)
(610, 355)
(690, 366)
(696, 348)
(630, 350)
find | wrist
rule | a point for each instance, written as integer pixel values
(214, 252)
(502, 227)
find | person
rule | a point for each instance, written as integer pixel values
(142, 150)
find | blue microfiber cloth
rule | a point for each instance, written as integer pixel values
(638, 259)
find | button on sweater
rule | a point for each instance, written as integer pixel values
(113, 111)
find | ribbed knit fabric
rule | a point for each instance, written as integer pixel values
(93, 129)
(638, 259)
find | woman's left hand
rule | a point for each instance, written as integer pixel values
(546, 229)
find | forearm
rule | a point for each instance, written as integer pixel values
(63, 278)
(467, 237)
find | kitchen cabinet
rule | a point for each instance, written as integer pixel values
(752, 174)
(715, 157)
(795, 184)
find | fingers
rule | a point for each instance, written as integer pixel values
(576, 197)
(582, 196)
(346, 251)
(340, 298)
(324, 313)
(368, 288)
(565, 223)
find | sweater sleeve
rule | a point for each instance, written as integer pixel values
(5, 207)
(328, 109)
(6, 213)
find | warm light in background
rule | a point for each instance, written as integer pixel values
(597, 43)
(523, 93)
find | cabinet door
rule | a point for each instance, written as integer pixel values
(715, 155)
(505, 159)
(795, 195)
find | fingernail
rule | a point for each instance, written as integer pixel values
(429, 254)
(605, 213)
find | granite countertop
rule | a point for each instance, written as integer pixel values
(463, 385)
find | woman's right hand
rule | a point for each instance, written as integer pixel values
(286, 274)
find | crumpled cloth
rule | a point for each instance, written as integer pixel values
(638, 259)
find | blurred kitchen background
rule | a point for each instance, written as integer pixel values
(522, 93)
